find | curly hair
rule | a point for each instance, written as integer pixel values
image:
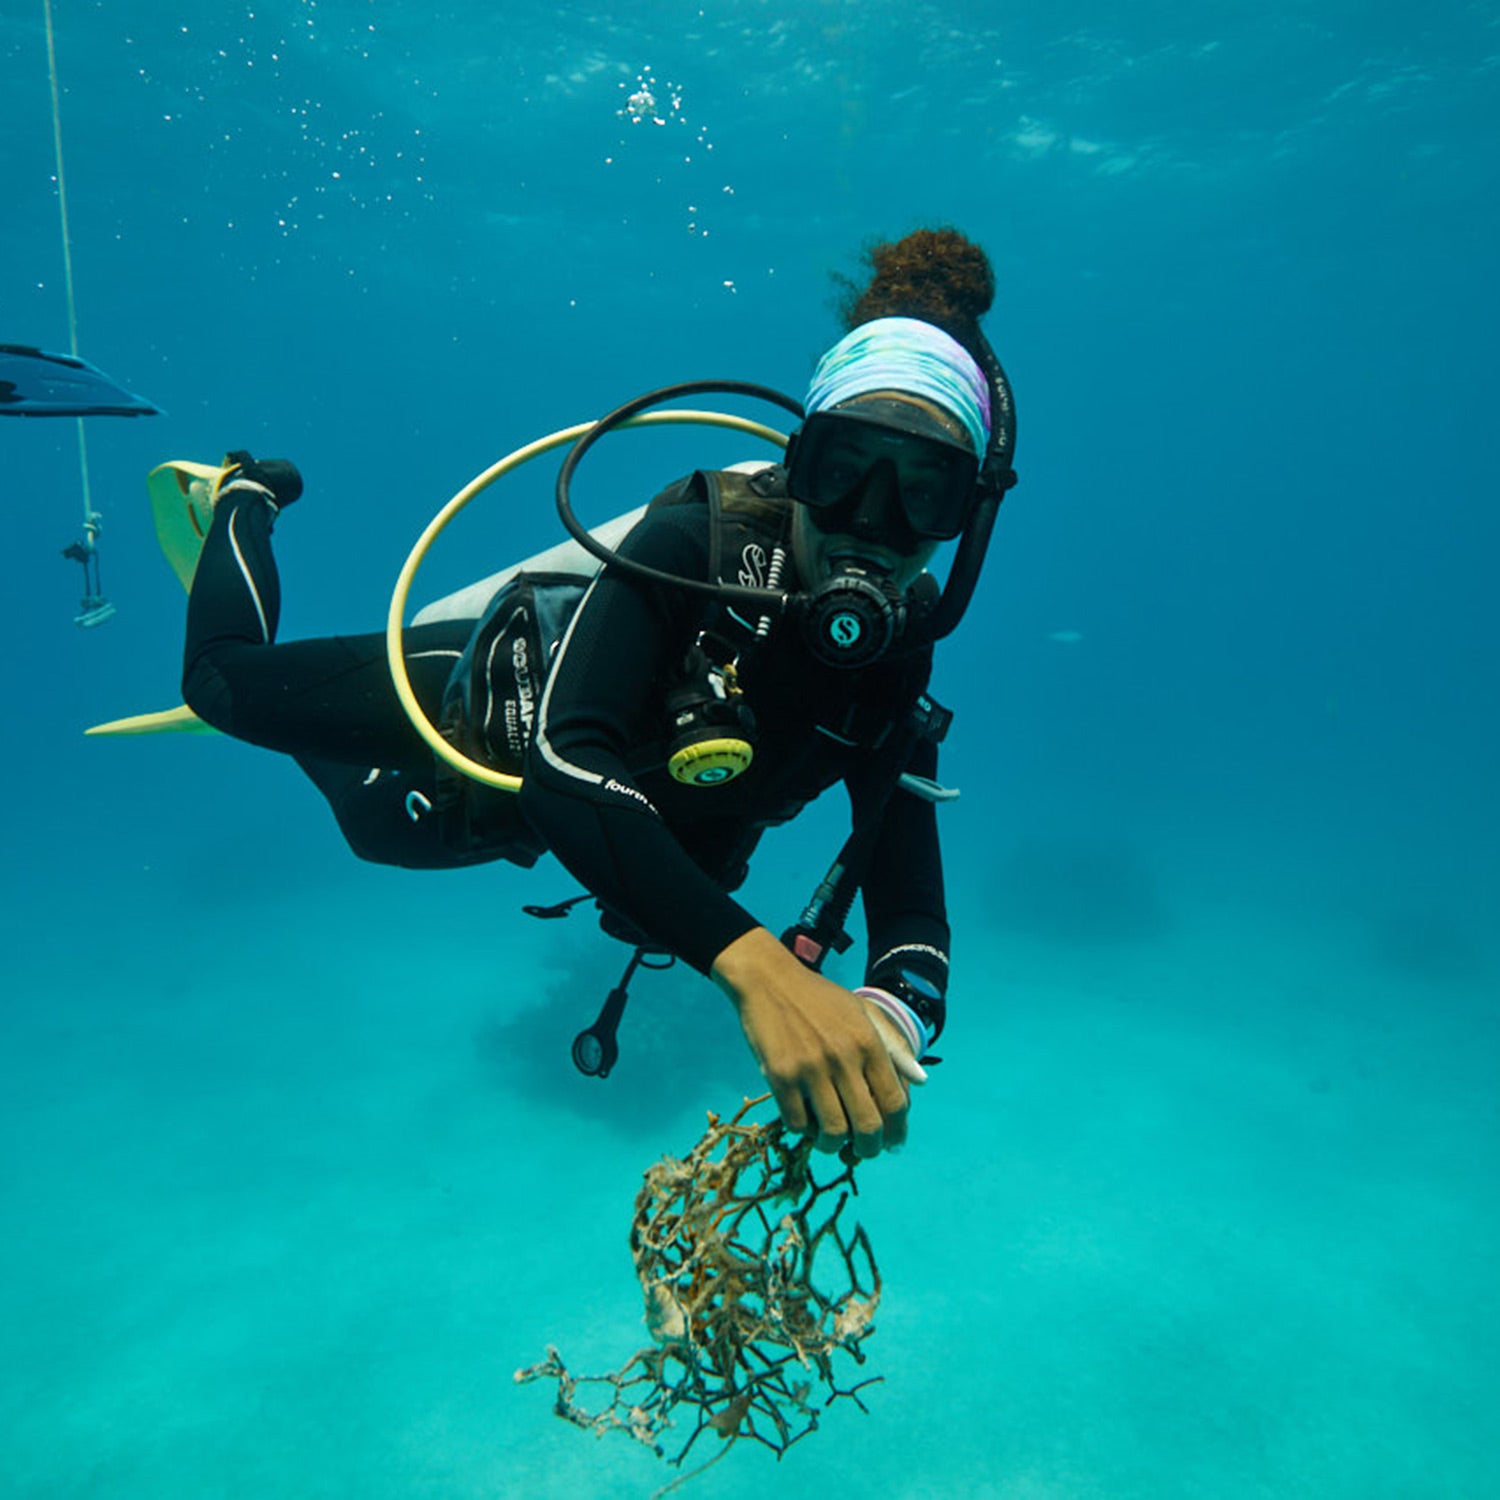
(934, 274)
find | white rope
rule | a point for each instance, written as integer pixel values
(90, 518)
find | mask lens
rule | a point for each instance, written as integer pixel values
(836, 453)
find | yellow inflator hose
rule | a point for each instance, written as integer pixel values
(435, 528)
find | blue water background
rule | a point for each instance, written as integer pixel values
(1202, 1202)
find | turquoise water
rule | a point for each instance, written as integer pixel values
(294, 1166)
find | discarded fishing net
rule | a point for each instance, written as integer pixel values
(724, 1244)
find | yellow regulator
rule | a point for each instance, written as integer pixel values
(712, 728)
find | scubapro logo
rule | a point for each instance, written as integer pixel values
(752, 573)
(844, 631)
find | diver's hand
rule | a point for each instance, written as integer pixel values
(826, 1059)
(277, 476)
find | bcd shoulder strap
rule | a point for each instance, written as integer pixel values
(745, 510)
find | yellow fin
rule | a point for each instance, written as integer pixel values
(182, 495)
(180, 720)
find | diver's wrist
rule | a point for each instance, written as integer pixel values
(913, 1029)
(751, 954)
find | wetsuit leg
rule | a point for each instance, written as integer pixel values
(385, 816)
(328, 703)
(326, 700)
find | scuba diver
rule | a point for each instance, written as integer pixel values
(759, 635)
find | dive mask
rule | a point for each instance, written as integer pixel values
(836, 456)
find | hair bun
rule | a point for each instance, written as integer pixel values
(934, 274)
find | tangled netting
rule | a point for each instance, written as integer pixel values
(724, 1243)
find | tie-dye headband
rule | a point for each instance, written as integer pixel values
(908, 355)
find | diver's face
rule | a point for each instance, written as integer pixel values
(873, 467)
(820, 554)
(867, 481)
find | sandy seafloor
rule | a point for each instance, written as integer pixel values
(1208, 1213)
(294, 1170)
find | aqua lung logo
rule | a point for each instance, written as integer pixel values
(525, 702)
(845, 631)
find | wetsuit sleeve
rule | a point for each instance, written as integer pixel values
(905, 909)
(602, 699)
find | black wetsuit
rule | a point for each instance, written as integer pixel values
(596, 791)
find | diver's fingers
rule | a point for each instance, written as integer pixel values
(895, 1113)
(885, 1083)
(792, 1105)
(828, 1109)
(888, 1103)
(866, 1118)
